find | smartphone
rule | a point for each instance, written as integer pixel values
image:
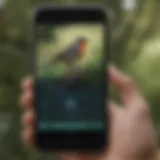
(70, 54)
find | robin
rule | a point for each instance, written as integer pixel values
(73, 53)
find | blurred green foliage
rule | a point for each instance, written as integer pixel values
(134, 49)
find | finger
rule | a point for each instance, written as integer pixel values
(113, 108)
(27, 83)
(26, 100)
(28, 119)
(127, 89)
(28, 136)
(114, 111)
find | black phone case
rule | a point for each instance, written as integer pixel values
(69, 142)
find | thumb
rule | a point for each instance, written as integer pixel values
(112, 109)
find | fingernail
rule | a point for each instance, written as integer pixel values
(28, 83)
(110, 65)
(113, 67)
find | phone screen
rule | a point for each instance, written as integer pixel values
(70, 77)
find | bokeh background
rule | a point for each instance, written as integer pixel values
(135, 49)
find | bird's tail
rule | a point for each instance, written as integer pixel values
(48, 64)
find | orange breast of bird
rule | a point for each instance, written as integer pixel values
(82, 49)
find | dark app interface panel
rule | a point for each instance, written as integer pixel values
(70, 77)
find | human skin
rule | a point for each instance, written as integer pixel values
(132, 134)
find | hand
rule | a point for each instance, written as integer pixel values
(132, 136)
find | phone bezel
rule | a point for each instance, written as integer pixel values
(67, 14)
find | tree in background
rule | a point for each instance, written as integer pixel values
(133, 31)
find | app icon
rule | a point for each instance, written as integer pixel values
(70, 103)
